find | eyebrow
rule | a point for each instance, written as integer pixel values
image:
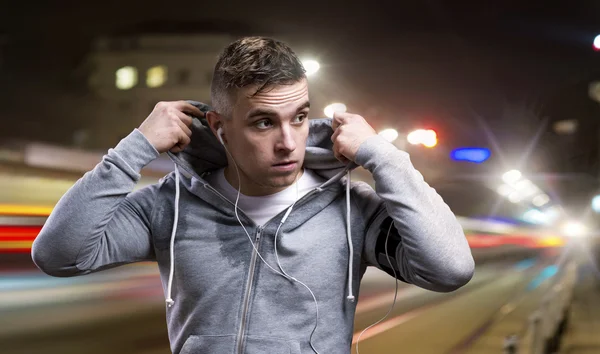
(257, 112)
(304, 106)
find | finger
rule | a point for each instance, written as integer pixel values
(189, 108)
(186, 130)
(335, 123)
(184, 141)
(340, 118)
(336, 152)
(335, 135)
(175, 149)
(185, 122)
(340, 157)
(183, 117)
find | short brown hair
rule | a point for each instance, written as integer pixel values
(259, 61)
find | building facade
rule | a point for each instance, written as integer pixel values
(129, 75)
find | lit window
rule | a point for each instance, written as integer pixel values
(156, 76)
(126, 77)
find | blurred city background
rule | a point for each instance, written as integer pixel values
(498, 104)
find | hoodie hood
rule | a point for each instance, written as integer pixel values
(205, 153)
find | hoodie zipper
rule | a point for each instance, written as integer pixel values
(240, 339)
(250, 282)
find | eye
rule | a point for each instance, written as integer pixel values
(300, 118)
(263, 124)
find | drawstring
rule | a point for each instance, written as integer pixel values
(169, 300)
(348, 231)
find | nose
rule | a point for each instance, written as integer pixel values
(286, 141)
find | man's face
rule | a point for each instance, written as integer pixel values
(267, 137)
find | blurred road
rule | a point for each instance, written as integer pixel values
(122, 310)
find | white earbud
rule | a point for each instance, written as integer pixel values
(220, 135)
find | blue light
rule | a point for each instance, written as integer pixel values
(526, 263)
(545, 274)
(596, 204)
(470, 154)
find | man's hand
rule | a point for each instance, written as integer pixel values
(168, 126)
(349, 131)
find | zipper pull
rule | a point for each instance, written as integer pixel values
(258, 232)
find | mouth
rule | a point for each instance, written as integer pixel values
(285, 163)
(285, 166)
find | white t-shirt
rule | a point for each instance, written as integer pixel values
(262, 209)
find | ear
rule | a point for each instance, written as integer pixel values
(214, 121)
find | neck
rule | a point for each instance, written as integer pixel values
(250, 188)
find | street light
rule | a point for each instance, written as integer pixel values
(514, 197)
(594, 91)
(334, 107)
(517, 188)
(527, 188)
(535, 216)
(597, 42)
(427, 138)
(504, 190)
(389, 134)
(311, 66)
(430, 139)
(511, 176)
(565, 126)
(541, 200)
(574, 229)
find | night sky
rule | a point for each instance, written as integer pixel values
(459, 66)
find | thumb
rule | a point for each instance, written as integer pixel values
(179, 147)
(339, 118)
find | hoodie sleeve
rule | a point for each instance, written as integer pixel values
(100, 223)
(427, 246)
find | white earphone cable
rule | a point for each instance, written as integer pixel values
(282, 273)
(294, 279)
(395, 293)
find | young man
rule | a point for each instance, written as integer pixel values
(260, 239)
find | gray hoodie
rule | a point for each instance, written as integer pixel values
(222, 298)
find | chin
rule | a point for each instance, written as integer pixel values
(283, 181)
